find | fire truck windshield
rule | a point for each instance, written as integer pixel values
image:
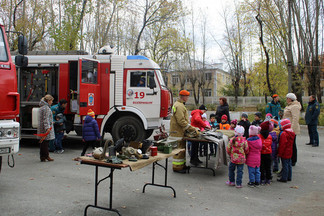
(3, 49)
(159, 76)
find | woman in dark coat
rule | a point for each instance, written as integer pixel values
(222, 109)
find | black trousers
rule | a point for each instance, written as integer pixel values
(265, 167)
(91, 143)
(194, 150)
(294, 155)
(43, 149)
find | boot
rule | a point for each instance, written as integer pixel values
(42, 159)
(49, 159)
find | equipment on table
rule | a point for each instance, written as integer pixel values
(100, 153)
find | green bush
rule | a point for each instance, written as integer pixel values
(321, 119)
(261, 108)
(191, 107)
(251, 117)
(302, 121)
(211, 107)
(232, 107)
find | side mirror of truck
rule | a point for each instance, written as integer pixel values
(22, 45)
(21, 61)
(152, 84)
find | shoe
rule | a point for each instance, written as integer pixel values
(289, 180)
(268, 182)
(309, 144)
(183, 171)
(230, 183)
(199, 161)
(276, 171)
(281, 180)
(239, 186)
(49, 159)
(194, 162)
(43, 160)
(60, 151)
(257, 184)
(262, 182)
(293, 164)
(201, 155)
(251, 184)
(314, 145)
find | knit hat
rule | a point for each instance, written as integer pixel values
(212, 115)
(142, 79)
(204, 116)
(254, 130)
(202, 107)
(184, 93)
(265, 126)
(239, 130)
(275, 122)
(292, 96)
(234, 122)
(258, 114)
(244, 115)
(285, 124)
(91, 113)
(224, 117)
(269, 114)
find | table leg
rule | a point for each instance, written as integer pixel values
(165, 177)
(111, 176)
(206, 165)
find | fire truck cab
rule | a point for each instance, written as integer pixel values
(9, 97)
(127, 93)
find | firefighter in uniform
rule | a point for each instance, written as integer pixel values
(178, 125)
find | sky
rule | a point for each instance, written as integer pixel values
(215, 24)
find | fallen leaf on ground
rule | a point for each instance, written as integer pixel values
(31, 179)
(295, 187)
(189, 193)
(123, 207)
(246, 197)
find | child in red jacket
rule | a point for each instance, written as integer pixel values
(266, 151)
(285, 150)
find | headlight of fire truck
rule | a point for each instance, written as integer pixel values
(9, 133)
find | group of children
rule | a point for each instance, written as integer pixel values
(259, 146)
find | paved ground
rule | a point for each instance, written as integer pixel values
(64, 187)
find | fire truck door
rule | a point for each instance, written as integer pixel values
(142, 92)
(88, 86)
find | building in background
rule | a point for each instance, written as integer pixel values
(204, 82)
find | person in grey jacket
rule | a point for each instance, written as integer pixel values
(311, 117)
(45, 126)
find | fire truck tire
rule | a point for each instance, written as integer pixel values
(128, 127)
(148, 133)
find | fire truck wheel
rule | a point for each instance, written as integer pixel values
(148, 133)
(128, 127)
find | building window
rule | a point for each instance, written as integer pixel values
(208, 93)
(208, 76)
(175, 79)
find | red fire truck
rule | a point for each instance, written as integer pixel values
(127, 93)
(9, 97)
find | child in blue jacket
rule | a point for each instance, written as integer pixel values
(90, 131)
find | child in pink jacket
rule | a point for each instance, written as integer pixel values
(237, 149)
(253, 159)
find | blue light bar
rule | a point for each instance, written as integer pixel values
(137, 57)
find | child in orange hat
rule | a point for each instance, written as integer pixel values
(90, 131)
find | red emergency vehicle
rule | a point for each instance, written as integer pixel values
(127, 93)
(9, 97)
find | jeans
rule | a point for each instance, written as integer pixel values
(286, 169)
(58, 140)
(313, 134)
(189, 147)
(254, 174)
(275, 164)
(239, 173)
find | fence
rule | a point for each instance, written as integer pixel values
(242, 101)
